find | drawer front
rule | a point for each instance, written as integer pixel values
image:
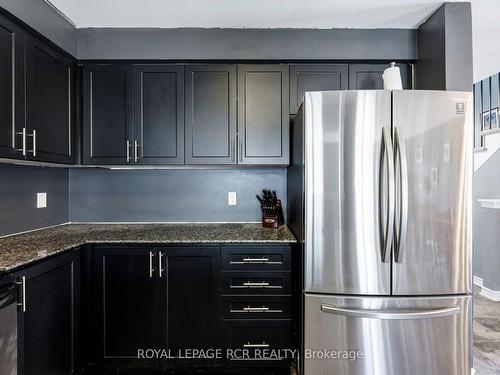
(250, 343)
(257, 282)
(256, 258)
(256, 307)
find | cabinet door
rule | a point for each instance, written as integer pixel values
(211, 114)
(369, 76)
(108, 114)
(49, 103)
(190, 298)
(11, 89)
(126, 302)
(318, 77)
(159, 114)
(48, 319)
(263, 114)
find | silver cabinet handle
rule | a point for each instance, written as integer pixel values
(263, 345)
(240, 151)
(160, 269)
(128, 151)
(401, 314)
(386, 234)
(33, 136)
(402, 221)
(136, 151)
(23, 134)
(151, 269)
(23, 287)
(233, 153)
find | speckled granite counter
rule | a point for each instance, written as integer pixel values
(19, 250)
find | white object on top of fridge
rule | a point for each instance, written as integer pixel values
(392, 78)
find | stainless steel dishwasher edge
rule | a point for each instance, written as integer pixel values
(8, 326)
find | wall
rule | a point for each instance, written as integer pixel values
(253, 44)
(170, 195)
(486, 224)
(486, 29)
(18, 188)
(46, 20)
(445, 49)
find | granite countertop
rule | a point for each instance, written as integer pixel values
(22, 249)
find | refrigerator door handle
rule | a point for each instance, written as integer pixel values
(387, 233)
(402, 219)
(400, 314)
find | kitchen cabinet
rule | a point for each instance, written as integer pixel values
(211, 114)
(126, 302)
(263, 114)
(108, 135)
(190, 297)
(49, 103)
(257, 302)
(12, 40)
(48, 318)
(159, 114)
(369, 76)
(149, 297)
(315, 77)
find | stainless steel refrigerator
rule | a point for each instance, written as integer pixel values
(386, 181)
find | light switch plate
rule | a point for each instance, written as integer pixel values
(231, 198)
(41, 200)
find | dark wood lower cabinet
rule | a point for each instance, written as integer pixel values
(126, 303)
(156, 308)
(190, 300)
(48, 319)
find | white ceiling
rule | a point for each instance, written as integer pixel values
(248, 13)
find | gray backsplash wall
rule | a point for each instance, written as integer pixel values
(18, 188)
(175, 195)
(487, 223)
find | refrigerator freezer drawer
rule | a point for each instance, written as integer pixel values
(387, 336)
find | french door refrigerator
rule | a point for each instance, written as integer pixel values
(387, 232)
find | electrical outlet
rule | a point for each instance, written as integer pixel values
(231, 198)
(41, 200)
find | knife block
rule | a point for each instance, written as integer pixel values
(272, 217)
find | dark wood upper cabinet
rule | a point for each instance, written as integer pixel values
(159, 114)
(108, 114)
(369, 76)
(190, 297)
(12, 39)
(126, 302)
(263, 114)
(49, 103)
(315, 77)
(210, 114)
(48, 319)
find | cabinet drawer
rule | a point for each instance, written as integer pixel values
(254, 340)
(256, 307)
(256, 258)
(256, 282)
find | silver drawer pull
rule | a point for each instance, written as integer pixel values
(260, 285)
(256, 285)
(262, 309)
(253, 260)
(263, 345)
(256, 309)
